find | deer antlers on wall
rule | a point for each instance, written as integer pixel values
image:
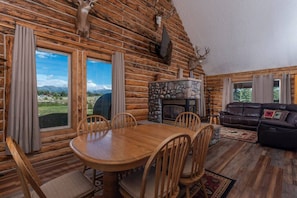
(198, 60)
(82, 23)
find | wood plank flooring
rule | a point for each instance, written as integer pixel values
(259, 171)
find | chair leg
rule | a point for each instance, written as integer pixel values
(188, 195)
(203, 188)
(94, 176)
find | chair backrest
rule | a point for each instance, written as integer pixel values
(188, 120)
(92, 124)
(122, 120)
(199, 148)
(25, 169)
(167, 161)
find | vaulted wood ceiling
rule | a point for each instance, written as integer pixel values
(242, 35)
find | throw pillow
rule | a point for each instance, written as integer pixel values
(280, 115)
(268, 113)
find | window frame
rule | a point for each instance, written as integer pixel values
(99, 61)
(279, 86)
(73, 89)
(69, 88)
(241, 83)
(85, 56)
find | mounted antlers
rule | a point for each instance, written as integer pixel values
(203, 56)
(198, 60)
(82, 24)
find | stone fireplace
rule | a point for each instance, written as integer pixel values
(168, 98)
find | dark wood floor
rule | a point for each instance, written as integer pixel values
(259, 171)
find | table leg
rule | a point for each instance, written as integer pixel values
(110, 185)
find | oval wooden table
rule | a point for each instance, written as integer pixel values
(121, 149)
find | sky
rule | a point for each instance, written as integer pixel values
(51, 71)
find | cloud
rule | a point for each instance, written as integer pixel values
(93, 86)
(51, 80)
(43, 55)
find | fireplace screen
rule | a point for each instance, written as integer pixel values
(170, 112)
(171, 108)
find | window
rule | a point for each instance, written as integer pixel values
(99, 87)
(53, 88)
(242, 92)
(276, 90)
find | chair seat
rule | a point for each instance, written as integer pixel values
(73, 184)
(131, 184)
(187, 167)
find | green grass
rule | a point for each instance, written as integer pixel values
(45, 110)
(57, 108)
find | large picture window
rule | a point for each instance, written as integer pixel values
(99, 89)
(53, 88)
(242, 92)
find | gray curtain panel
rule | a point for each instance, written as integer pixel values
(202, 108)
(118, 102)
(285, 89)
(262, 90)
(23, 123)
(227, 92)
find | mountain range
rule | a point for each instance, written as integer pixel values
(55, 89)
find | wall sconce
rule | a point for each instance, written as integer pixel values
(158, 20)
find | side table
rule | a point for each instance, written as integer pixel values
(214, 119)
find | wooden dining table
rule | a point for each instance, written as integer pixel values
(121, 149)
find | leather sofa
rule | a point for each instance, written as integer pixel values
(275, 123)
(241, 115)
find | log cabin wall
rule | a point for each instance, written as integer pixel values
(215, 83)
(126, 26)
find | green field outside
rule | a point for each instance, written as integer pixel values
(45, 110)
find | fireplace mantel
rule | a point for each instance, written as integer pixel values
(184, 88)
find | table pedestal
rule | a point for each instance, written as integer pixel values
(110, 183)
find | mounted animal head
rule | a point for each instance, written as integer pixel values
(82, 24)
(198, 60)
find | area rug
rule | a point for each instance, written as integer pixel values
(239, 134)
(217, 186)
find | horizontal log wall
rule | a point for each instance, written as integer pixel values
(127, 26)
(215, 83)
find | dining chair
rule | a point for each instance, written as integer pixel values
(123, 119)
(93, 125)
(160, 176)
(188, 120)
(194, 164)
(72, 184)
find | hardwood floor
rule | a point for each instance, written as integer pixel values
(259, 171)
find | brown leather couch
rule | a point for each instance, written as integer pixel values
(241, 115)
(275, 123)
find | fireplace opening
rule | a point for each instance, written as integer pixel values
(171, 108)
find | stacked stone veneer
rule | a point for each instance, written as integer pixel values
(188, 88)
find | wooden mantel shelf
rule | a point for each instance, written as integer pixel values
(178, 79)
